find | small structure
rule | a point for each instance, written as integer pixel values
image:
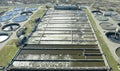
(37, 20)
(21, 40)
(21, 31)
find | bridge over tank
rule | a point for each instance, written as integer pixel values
(61, 44)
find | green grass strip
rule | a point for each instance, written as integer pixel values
(7, 53)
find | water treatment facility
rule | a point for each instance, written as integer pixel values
(59, 37)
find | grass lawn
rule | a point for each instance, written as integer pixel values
(7, 52)
(111, 60)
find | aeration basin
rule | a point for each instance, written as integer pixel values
(102, 18)
(107, 26)
(5, 18)
(97, 12)
(4, 37)
(118, 51)
(27, 13)
(113, 36)
(18, 9)
(116, 18)
(11, 13)
(31, 9)
(21, 18)
(10, 27)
